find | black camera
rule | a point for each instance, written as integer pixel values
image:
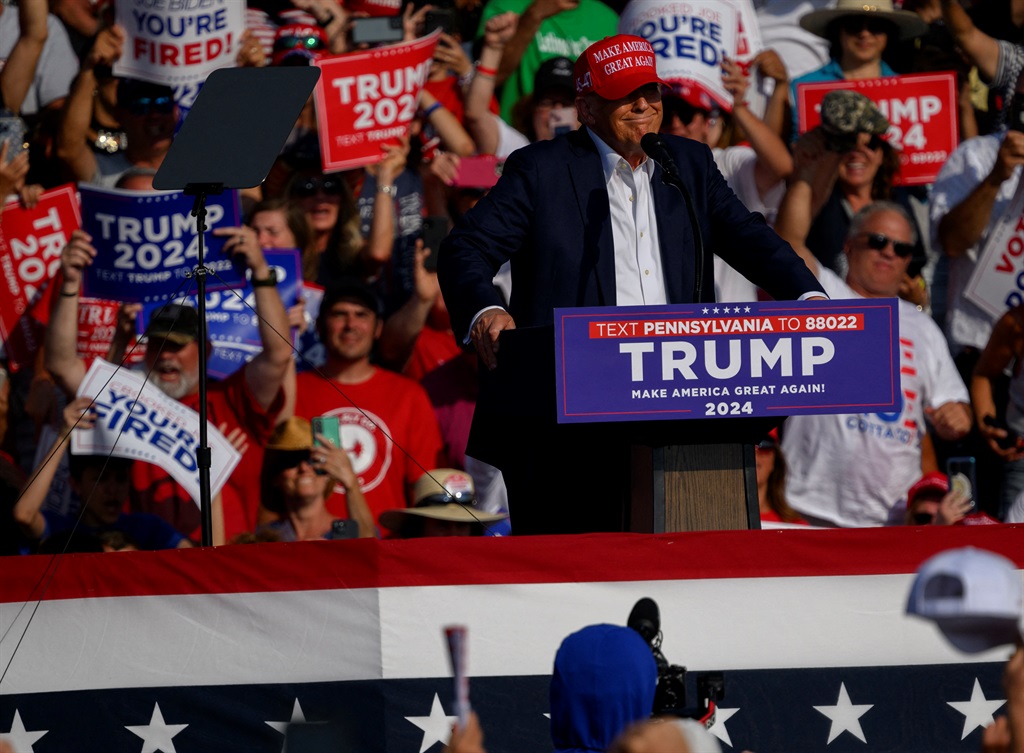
(670, 695)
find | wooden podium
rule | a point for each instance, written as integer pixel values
(692, 475)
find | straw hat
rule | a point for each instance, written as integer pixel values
(291, 435)
(442, 494)
(908, 24)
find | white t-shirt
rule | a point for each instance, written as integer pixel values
(963, 171)
(855, 469)
(737, 167)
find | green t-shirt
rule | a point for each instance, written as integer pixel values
(566, 34)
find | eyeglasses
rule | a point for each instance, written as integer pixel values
(880, 241)
(310, 186)
(876, 142)
(296, 42)
(856, 24)
(145, 105)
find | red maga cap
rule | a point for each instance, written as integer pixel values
(616, 66)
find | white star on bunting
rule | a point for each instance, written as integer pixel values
(978, 711)
(20, 738)
(157, 735)
(437, 728)
(845, 716)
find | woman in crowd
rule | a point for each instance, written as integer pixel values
(297, 479)
(771, 483)
(282, 224)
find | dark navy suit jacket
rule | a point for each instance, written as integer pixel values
(549, 214)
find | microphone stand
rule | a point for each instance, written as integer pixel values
(203, 453)
(656, 150)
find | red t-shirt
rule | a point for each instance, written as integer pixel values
(392, 436)
(433, 348)
(232, 402)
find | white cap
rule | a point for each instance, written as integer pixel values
(974, 596)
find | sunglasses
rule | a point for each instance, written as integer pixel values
(857, 24)
(293, 42)
(310, 186)
(285, 459)
(923, 518)
(879, 242)
(145, 105)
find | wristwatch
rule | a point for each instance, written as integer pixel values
(391, 190)
(270, 281)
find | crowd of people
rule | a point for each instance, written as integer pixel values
(402, 382)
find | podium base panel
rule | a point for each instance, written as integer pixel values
(693, 488)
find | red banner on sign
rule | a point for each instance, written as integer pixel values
(31, 241)
(97, 322)
(922, 113)
(365, 99)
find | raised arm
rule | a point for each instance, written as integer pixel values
(454, 138)
(72, 147)
(771, 66)
(378, 247)
(774, 161)
(402, 328)
(20, 69)
(336, 463)
(62, 360)
(981, 49)
(266, 372)
(480, 121)
(964, 224)
(27, 509)
(529, 24)
(814, 173)
(1002, 348)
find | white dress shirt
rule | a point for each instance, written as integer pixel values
(639, 279)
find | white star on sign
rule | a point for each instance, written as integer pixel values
(21, 739)
(978, 711)
(157, 735)
(437, 728)
(705, 309)
(845, 716)
(718, 728)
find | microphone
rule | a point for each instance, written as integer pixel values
(654, 147)
(645, 619)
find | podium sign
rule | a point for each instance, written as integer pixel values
(715, 360)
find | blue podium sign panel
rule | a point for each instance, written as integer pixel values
(711, 360)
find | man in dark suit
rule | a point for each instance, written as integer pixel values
(587, 220)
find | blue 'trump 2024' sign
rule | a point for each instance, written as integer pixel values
(738, 359)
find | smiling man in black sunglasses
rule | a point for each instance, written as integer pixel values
(854, 469)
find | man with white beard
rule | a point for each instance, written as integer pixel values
(245, 406)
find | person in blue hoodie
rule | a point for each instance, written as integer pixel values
(603, 681)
